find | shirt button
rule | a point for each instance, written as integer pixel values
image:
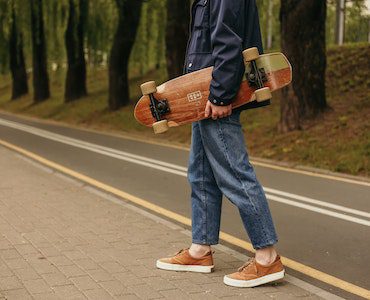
(190, 65)
(222, 103)
(214, 101)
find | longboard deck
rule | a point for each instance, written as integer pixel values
(187, 95)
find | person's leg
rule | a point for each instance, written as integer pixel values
(206, 213)
(206, 198)
(224, 145)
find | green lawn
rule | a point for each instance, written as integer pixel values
(338, 141)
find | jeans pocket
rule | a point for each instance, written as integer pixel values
(233, 119)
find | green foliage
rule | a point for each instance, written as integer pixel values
(56, 14)
(149, 49)
(356, 22)
(102, 23)
(264, 19)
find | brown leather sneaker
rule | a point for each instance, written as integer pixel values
(253, 274)
(182, 261)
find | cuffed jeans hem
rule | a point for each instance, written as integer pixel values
(208, 243)
(265, 245)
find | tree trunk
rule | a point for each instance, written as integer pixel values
(39, 57)
(177, 34)
(303, 41)
(74, 37)
(270, 19)
(340, 21)
(124, 38)
(17, 63)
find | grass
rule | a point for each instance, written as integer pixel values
(338, 141)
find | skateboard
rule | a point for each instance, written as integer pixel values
(183, 100)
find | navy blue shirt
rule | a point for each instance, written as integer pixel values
(219, 32)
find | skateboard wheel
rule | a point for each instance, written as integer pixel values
(148, 88)
(263, 94)
(251, 54)
(160, 126)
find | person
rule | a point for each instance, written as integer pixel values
(218, 165)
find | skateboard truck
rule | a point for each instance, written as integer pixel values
(157, 107)
(256, 77)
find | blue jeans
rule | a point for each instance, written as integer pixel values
(219, 165)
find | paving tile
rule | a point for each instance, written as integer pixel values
(46, 296)
(158, 283)
(36, 286)
(10, 283)
(26, 274)
(5, 271)
(5, 244)
(50, 251)
(86, 264)
(71, 271)
(114, 287)
(84, 283)
(174, 294)
(99, 294)
(55, 279)
(128, 279)
(6, 254)
(18, 294)
(74, 254)
(25, 249)
(17, 263)
(60, 261)
(127, 297)
(66, 291)
(112, 267)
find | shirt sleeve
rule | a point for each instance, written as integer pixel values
(226, 25)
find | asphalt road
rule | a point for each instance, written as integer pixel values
(321, 222)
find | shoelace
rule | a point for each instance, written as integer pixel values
(179, 252)
(250, 261)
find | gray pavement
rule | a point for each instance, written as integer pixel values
(63, 240)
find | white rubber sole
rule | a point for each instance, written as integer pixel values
(254, 282)
(184, 268)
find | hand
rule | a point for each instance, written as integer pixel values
(217, 112)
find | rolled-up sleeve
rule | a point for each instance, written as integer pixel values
(227, 25)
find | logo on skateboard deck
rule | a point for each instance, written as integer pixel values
(195, 96)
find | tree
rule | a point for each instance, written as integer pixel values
(4, 49)
(39, 56)
(17, 62)
(177, 32)
(74, 37)
(340, 21)
(303, 41)
(128, 21)
(270, 18)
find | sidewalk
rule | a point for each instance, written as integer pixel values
(60, 239)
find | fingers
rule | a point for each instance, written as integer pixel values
(208, 110)
(217, 112)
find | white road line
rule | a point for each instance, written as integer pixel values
(182, 171)
(319, 210)
(145, 161)
(318, 202)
